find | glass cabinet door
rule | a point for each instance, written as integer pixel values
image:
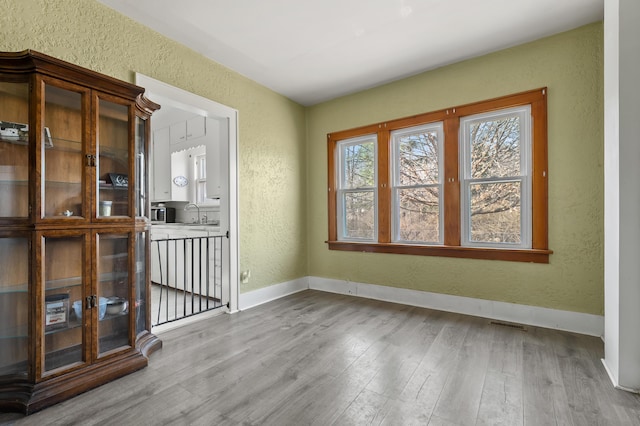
(112, 167)
(113, 291)
(141, 183)
(63, 165)
(66, 307)
(14, 304)
(14, 149)
(140, 282)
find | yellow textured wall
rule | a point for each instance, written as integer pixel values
(571, 66)
(271, 127)
(283, 209)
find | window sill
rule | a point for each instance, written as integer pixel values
(527, 255)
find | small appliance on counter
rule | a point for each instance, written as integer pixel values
(162, 214)
(171, 215)
(158, 214)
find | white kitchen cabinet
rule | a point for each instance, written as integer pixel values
(196, 127)
(161, 165)
(178, 132)
(184, 131)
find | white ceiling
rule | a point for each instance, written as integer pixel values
(315, 50)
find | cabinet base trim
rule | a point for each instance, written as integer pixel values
(21, 396)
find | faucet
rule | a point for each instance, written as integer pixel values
(196, 206)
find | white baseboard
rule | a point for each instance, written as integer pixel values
(276, 291)
(592, 325)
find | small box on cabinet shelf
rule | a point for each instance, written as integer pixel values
(56, 311)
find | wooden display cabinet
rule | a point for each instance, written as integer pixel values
(74, 283)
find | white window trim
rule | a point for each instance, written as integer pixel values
(341, 191)
(395, 187)
(525, 160)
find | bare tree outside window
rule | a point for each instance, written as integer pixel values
(496, 177)
(417, 189)
(357, 185)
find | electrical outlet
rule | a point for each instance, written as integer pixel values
(244, 276)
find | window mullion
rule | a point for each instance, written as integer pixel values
(451, 204)
(384, 187)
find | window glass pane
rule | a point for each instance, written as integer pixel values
(63, 166)
(418, 158)
(419, 214)
(495, 212)
(201, 191)
(358, 165)
(113, 159)
(201, 165)
(359, 215)
(14, 150)
(495, 147)
(14, 305)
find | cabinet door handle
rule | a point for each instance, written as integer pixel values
(89, 299)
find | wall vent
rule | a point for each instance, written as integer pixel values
(506, 324)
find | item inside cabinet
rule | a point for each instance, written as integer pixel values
(119, 180)
(18, 133)
(56, 311)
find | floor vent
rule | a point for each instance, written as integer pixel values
(506, 324)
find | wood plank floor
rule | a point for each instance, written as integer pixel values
(316, 358)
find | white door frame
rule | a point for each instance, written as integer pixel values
(161, 92)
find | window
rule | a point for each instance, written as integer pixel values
(496, 188)
(417, 184)
(201, 178)
(467, 181)
(357, 189)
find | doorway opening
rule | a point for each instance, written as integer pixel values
(193, 178)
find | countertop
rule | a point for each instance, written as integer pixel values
(211, 229)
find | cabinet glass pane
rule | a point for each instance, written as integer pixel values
(113, 159)
(142, 187)
(141, 282)
(64, 305)
(113, 291)
(63, 166)
(14, 305)
(14, 153)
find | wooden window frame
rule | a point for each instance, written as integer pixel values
(539, 251)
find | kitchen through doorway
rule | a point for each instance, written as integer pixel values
(193, 194)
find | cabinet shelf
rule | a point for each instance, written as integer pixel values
(60, 283)
(110, 151)
(15, 332)
(17, 288)
(71, 325)
(14, 182)
(60, 184)
(64, 145)
(63, 357)
(112, 276)
(107, 186)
